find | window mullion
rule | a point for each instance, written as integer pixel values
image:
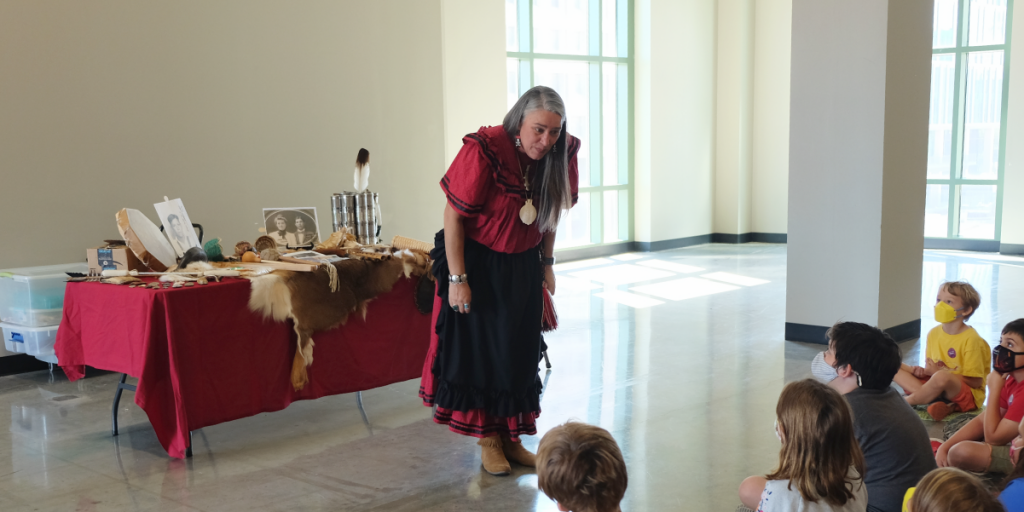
(1002, 121)
(596, 167)
(525, 18)
(956, 149)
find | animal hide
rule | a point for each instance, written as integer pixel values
(307, 299)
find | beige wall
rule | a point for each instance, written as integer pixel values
(231, 105)
(235, 106)
(733, 116)
(674, 118)
(752, 116)
(773, 23)
(473, 53)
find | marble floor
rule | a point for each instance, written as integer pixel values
(680, 354)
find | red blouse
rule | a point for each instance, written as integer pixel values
(485, 185)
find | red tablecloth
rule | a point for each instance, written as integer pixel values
(203, 358)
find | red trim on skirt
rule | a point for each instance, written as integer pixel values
(475, 422)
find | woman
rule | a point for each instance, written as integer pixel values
(506, 190)
(280, 236)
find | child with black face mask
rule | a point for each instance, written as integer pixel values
(983, 444)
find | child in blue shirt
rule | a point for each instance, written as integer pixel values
(1013, 491)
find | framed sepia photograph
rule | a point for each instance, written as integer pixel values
(177, 225)
(292, 227)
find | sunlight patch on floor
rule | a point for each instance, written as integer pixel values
(682, 289)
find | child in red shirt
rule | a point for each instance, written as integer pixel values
(983, 443)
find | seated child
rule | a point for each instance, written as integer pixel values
(983, 443)
(1012, 496)
(581, 468)
(897, 451)
(822, 370)
(952, 490)
(820, 463)
(957, 357)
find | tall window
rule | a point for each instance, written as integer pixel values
(967, 135)
(583, 49)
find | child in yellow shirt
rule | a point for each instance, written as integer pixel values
(958, 358)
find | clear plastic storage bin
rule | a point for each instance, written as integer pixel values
(34, 296)
(34, 341)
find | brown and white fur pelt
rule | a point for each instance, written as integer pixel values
(307, 299)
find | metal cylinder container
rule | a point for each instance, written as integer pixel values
(366, 220)
(343, 212)
(339, 212)
(359, 212)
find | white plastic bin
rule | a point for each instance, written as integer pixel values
(34, 296)
(34, 341)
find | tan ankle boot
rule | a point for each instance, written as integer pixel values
(493, 459)
(515, 452)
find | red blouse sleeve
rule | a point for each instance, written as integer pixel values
(467, 184)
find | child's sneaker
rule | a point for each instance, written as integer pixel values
(939, 410)
(936, 443)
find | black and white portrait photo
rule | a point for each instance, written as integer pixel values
(292, 227)
(177, 225)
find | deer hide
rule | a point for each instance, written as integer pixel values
(307, 299)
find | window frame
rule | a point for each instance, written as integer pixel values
(961, 52)
(624, 109)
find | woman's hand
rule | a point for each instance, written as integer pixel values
(460, 297)
(549, 279)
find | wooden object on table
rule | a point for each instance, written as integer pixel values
(145, 239)
(401, 242)
(283, 265)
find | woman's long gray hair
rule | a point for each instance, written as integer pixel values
(551, 193)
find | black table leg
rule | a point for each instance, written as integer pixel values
(121, 386)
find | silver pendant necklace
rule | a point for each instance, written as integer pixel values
(528, 213)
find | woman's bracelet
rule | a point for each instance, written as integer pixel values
(458, 279)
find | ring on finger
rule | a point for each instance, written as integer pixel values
(456, 308)
(465, 307)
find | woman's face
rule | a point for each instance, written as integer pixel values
(539, 131)
(176, 226)
(281, 224)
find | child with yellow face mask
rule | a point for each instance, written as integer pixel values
(958, 358)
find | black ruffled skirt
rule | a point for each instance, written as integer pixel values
(482, 368)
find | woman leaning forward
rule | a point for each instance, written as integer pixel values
(507, 189)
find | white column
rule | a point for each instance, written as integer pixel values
(858, 140)
(1011, 237)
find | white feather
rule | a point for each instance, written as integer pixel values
(361, 178)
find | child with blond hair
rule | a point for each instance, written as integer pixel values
(820, 464)
(581, 468)
(957, 357)
(951, 490)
